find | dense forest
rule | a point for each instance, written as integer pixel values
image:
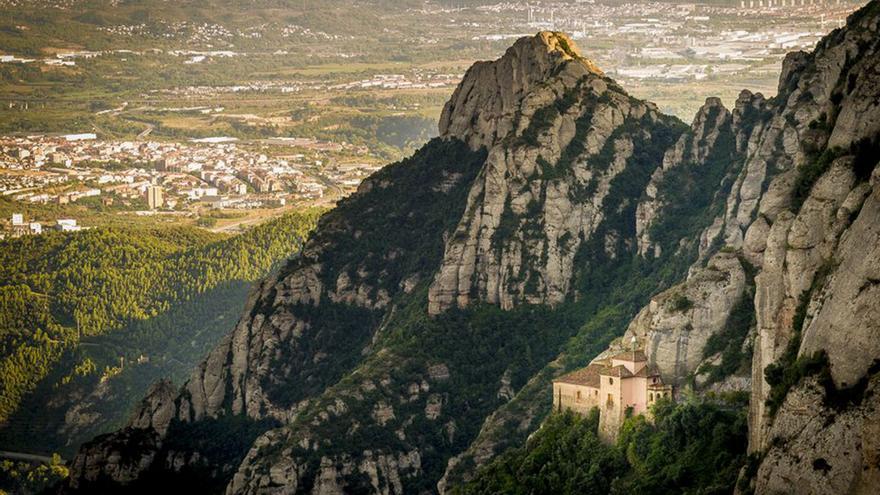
(696, 446)
(77, 309)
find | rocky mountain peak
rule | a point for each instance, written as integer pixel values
(484, 107)
(558, 133)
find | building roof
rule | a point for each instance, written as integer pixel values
(619, 371)
(648, 371)
(632, 356)
(588, 376)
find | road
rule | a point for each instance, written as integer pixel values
(22, 456)
(239, 225)
(146, 132)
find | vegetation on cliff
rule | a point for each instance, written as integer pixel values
(692, 447)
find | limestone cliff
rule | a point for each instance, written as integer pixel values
(679, 197)
(823, 438)
(558, 133)
(488, 104)
(803, 212)
(302, 329)
(711, 133)
(787, 272)
(675, 327)
(794, 205)
(416, 335)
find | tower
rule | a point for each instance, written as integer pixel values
(154, 197)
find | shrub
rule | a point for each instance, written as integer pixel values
(789, 370)
(729, 341)
(786, 373)
(541, 121)
(680, 303)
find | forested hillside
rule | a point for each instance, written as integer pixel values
(79, 313)
(693, 447)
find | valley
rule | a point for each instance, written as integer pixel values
(267, 258)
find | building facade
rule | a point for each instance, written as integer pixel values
(154, 197)
(619, 386)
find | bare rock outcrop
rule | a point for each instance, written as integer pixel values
(676, 325)
(119, 458)
(484, 108)
(288, 345)
(818, 448)
(693, 149)
(796, 249)
(822, 436)
(554, 150)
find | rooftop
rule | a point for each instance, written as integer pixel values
(631, 356)
(588, 376)
(619, 371)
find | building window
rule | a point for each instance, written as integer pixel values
(610, 401)
(651, 396)
(611, 381)
(578, 395)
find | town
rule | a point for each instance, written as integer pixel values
(164, 178)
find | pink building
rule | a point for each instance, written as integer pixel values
(619, 386)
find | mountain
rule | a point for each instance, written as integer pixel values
(415, 337)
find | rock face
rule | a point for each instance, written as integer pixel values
(373, 362)
(793, 233)
(821, 448)
(558, 133)
(803, 212)
(302, 329)
(822, 437)
(486, 106)
(676, 325)
(711, 127)
(108, 458)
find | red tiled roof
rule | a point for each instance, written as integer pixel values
(588, 376)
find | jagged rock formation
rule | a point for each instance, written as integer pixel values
(836, 313)
(693, 149)
(802, 187)
(803, 212)
(676, 325)
(709, 152)
(487, 106)
(796, 211)
(558, 133)
(302, 329)
(416, 335)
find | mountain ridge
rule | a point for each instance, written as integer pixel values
(536, 232)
